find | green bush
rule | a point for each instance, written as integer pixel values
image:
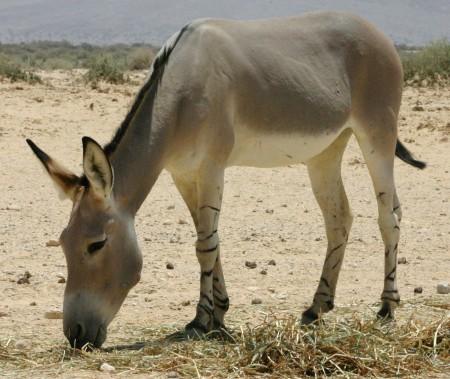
(105, 68)
(140, 59)
(431, 63)
(15, 73)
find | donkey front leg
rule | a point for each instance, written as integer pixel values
(213, 301)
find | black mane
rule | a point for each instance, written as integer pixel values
(158, 69)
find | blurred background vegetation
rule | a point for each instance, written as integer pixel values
(423, 66)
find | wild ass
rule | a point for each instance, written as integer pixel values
(222, 93)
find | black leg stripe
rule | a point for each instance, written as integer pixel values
(209, 311)
(204, 296)
(216, 290)
(210, 250)
(210, 207)
(391, 275)
(336, 264)
(333, 251)
(207, 273)
(390, 299)
(207, 238)
(325, 282)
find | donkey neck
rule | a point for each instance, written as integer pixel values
(138, 158)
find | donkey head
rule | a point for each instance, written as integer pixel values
(99, 242)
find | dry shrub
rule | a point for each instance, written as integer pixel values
(278, 347)
(430, 65)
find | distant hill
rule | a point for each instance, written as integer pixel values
(411, 22)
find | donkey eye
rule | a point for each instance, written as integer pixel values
(93, 247)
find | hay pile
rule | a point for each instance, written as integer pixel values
(278, 348)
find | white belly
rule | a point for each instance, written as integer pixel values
(272, 150)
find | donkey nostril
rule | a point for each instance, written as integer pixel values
(75, 334)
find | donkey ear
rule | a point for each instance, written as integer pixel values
(97, 168)
(66, 182)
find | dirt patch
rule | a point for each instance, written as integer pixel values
(57, 114)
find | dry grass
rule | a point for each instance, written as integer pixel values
(276, 348)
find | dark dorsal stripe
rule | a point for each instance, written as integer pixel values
(158, 70)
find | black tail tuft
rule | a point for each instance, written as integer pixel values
(404, 154)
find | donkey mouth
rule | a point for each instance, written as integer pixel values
(80, 338)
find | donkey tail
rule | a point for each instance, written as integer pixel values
(405, 155)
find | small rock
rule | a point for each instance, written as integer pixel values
(61, 280)
(256, 301)
(13, 208)
(250, 264)
(33, 304)
(22, 344)
(53, 315)
(3, 314)
(418, 290)
(25, 278)
(167, 222)
(418, 107)
(170, 207)
(443, 288)
(402, 261)
(185, 303)
(172, 375)
(91, 106)
(169, 266)
(284, 205)
(270, 211)
(263, 271)
(38, 99)
(52, 243)
(182, 221)
(107, 367)
(272, 262)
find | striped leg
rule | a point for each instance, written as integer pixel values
(325, 175)
(389, 216)
(189, 191)
(380, 162)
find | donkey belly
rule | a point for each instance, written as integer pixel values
(274, 150)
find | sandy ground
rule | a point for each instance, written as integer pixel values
(267, 214)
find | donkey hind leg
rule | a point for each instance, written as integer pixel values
(325, 174)
(380, 162)
(203, 198)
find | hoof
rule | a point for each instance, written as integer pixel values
(193, 331)
(309, 317)
(385, 313)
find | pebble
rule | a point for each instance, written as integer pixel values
(170, 207)
(3, 314)
(402, 261)
(185, 303)
(53, 315)
(418, 290)
(182, 221)
(169, 266)
(33, 304)
(52, 243)
(443, 288)
(263, 271)
(272, 262)
(25, 278)
(107, 367)
(61, 280)
(256, 301)
(167, 222)
(270, 211)
(250, 264)
(172, 375)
